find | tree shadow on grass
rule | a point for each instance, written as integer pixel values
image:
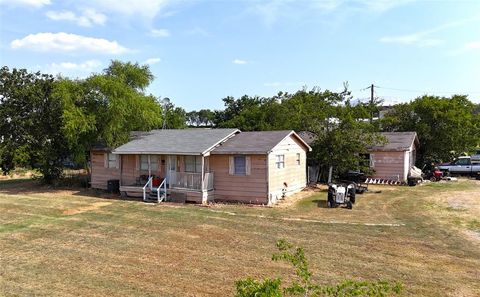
(33, 186)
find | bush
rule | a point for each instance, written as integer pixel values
(302, 284)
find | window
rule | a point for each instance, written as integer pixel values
(463, 161)
(153, 162)
(298, 160)
(367, 160)
(193, 164)
(240, 165)
(112, 161)
(143, 162)
(280, 161)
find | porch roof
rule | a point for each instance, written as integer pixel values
(195, 141)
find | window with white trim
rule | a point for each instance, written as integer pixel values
(112, 160)
(367, 160)
(280, 161)
(143, 162)
(298, 160)
(153, 162)
(240, 165)
(193, 164)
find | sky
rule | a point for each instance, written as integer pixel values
(202, 51)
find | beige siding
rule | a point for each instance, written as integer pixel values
(129, 169)
(100, 173)
(389, 165)
(249, 189)
(293, 174)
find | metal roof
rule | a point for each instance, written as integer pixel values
(397, 141)
(261, 142)
(193, 141)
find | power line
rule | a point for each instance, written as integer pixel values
(420, 91)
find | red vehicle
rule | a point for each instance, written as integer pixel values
(434, 175)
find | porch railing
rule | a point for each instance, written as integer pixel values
(190, 180)
(208, 181)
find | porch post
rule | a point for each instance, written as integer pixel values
(149, 169)
(121, 169)
(204, 193)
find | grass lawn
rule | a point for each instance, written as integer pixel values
(79, 243)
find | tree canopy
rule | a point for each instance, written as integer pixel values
(446, 127)
(45, 120)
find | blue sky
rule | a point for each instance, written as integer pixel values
(203, 51)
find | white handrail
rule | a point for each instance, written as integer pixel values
(164, 184)
(149, 183)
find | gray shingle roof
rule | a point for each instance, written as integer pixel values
(397, 141)
(175, 141)
(260, 142)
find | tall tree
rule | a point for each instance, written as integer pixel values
(106, 107)
(446, 127)
(30, 122)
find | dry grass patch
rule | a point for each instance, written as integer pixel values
(72, 243)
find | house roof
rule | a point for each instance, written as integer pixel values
(193, 141)
(261, 142)
(307, 136)
(397, 141)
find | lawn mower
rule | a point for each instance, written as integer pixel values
(341, 194)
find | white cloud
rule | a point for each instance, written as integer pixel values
(197, 31)
(239, 62)
(32, 3)
(73, 69)
(159, 33)
(152, 61)
(88, 18)
(145, 8)
(275, 10)
(472, 45)
(422, 38)
(467, 47)
(66, 42)
(413, 39)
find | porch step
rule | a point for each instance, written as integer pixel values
(152, 196)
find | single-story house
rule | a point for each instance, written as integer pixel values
(393, 160)
(389, 161)
(203, 165)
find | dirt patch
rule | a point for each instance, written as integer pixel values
(94, 206)
(289, 201)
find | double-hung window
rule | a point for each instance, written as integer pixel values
(240, 165)
(143, 162)
(112, 160)
(193, 164)
(298, 160)
(280, 161)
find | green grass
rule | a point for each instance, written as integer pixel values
(76, 243)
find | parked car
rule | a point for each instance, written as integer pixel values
(461, 166)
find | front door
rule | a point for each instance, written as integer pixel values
(172, 170)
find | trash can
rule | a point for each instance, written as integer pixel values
(113, 186)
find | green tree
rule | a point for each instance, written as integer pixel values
(30, 122)
(446, 127)
(106, 107)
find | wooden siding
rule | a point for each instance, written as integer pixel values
(390, 165)
(100, 174)
(248, 188)
(293, 174)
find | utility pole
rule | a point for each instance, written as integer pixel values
(372, 101)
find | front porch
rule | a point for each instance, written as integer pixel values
(168, 177)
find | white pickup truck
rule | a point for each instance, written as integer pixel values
(462, 166)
